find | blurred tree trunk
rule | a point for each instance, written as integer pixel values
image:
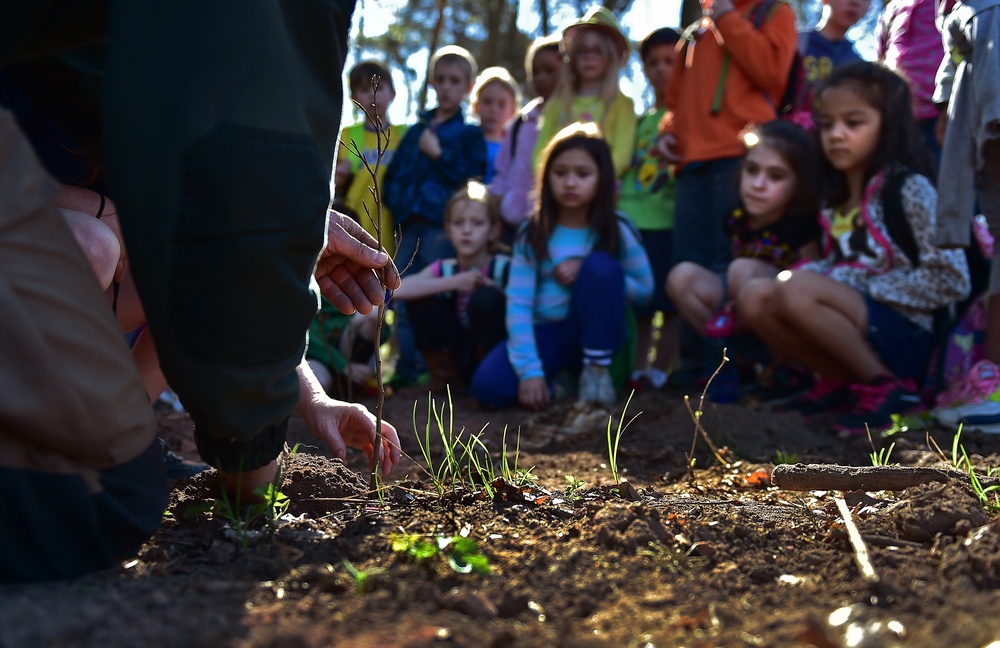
(435, 39)
(543, 10)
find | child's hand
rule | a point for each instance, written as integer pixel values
(566, 272)
(666, 147)
(341, 425)
(533, 393)
(469, 280)
(430, 145)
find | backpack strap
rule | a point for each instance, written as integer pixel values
(515, 127)
(898, 226)
(500, 269)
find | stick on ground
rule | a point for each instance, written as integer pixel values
(804, 477)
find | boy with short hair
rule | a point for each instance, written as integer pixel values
(827, 46)
(495, 102)
(437, 156)
(372, 88)
(647, 197)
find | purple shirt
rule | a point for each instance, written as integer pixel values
(909, 41)
(514, 175)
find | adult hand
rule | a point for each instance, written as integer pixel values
(341, 425)
(533, 393)
(666, 147)
(346, 268)
(429, 144)
(566, 271)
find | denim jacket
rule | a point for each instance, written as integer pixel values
(416, 186)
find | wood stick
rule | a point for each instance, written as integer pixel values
(860, 550)
(804, 477)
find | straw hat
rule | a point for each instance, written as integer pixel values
(600, 19)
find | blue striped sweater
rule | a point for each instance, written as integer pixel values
(534, 296)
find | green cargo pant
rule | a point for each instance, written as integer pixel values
(219, 123)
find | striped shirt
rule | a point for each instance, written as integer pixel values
(534, 296)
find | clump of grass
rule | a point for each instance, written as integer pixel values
(782, 457)
(573, 487)
(614, 439)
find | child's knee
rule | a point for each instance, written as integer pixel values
(680, 279)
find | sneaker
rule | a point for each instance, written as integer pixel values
(596, 386)
(983, 416)
(876, 402)
(177, 467)
(723, 324)
(825, 395)
(980, 385)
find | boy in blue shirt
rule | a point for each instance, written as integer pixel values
(827, 46)
(437, 156)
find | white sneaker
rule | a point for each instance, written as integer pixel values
(596, 386)
(983, 416)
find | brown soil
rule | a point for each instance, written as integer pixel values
(723, 559)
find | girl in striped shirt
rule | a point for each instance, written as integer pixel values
(577, 263)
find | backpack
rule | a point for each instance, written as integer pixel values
(947, 319)
(796, 102)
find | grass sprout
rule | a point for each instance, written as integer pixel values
(614, 439)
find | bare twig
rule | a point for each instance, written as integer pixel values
(382, 138)
(699, 429)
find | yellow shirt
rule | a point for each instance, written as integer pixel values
(359, 193)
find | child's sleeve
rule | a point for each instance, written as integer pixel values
(548, 124)
(323, 342)
(521, 288)
(466, 160)
(764, 54)
(941, 278)
(635, 263)
(394, 190)
(620, 135)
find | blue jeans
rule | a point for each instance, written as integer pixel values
(706, 195)
(596, 320)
